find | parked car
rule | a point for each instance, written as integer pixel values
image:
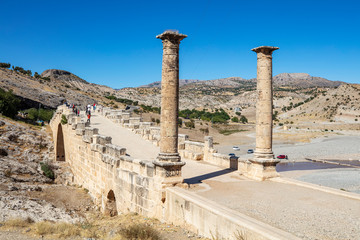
(235, 148)
(232, 154)
(282, 157)
(249, 151)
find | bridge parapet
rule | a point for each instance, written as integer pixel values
(99, 143)
(187, 149)
(104, 169)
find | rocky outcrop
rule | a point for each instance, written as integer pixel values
(62, 86)
(65, 77)
(22, 149)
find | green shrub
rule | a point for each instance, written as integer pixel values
(219, 116)
(235, 119)
(140, 232)
(190, 124)
(243, 119)
(48, 172)
(63, 119)
(41, 114)
(180, 122)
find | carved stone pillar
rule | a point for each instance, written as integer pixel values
(168, 161)
(263, 164)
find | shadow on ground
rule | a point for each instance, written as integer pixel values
(199, 179)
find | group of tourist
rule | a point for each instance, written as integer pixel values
(76, 110)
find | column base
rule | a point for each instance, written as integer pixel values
(261, 169)
(168, 157)
(168, 167)
(263, 155)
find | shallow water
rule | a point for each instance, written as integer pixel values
(308, 165)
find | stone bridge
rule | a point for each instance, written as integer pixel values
(118, 182)
(132, 166)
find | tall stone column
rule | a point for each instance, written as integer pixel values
(264, 163)
(168, 160)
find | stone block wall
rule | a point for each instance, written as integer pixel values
(100, 166)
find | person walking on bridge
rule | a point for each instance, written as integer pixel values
(88, 116)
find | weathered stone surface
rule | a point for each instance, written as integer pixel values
(263, 163)
(170, 95)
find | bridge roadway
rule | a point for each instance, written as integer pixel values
(302, 211)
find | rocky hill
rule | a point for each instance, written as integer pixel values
(335, 105)
(55, 86)
(52, 88)
(61, 77)
(229, 92)
(303, 80)
(298, 80)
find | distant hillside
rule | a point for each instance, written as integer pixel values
(336, 104)
(182, 82)
(303, 80)
(296, 80)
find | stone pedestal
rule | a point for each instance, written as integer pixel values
(263, 164)
(168, 163)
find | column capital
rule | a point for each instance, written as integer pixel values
(265, 49)
(172, 36)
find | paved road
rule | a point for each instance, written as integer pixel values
(307, 213)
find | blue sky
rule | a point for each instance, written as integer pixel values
(113, 42)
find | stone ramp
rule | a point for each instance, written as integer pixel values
(304, 212)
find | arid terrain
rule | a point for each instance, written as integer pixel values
(34, 206)
(313, 118)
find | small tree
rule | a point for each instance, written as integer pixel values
(243, 119)
(180, 122)
(5, 65)
(36, 75)
(235, 119)
(9, 103)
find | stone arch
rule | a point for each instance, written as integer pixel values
(60, 147)
(110, 205)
